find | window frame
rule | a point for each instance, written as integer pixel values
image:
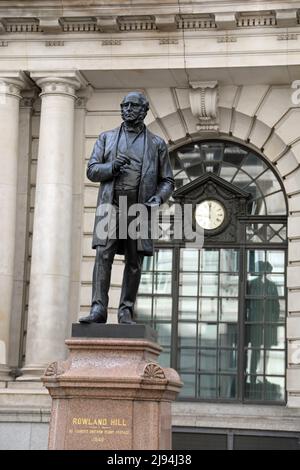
(243, 246)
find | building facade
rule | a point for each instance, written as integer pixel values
(222, 79)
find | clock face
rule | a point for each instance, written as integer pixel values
(210, 214)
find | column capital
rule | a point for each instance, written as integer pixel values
(59, 82)
(12, 82)
(28, 98)
(83, 96)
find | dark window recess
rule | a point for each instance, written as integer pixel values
(266, 443)
(199, 441)
(234, 440)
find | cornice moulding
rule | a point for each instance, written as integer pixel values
(178, 19)
(19, 78)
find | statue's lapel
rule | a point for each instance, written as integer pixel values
(115, 143)
(149, 153)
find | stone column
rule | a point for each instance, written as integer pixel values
(51, 246)
(10, 94)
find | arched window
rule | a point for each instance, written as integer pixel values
(220, 311)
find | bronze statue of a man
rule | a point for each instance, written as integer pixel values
(130, 162)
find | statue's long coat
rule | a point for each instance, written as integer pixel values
(156, 177)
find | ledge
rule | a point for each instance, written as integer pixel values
(237, 416)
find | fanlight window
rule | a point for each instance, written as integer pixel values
(235, 164)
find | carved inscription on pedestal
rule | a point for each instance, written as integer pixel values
(96, 425)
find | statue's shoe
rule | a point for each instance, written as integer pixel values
(94, 317)
(125, 318)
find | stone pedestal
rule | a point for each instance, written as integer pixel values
(111, 393)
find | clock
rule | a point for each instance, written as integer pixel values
(210, 214)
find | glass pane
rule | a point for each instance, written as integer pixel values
(257, 205)
(163, 333)
(255, 257)
(229, 285)
(229, 260)
(163, 260)
(275, 283)
(279, 336)
(186, 334)
(147, 263)
(207, 386)
(277, 233)
(228, 386)
(165, 357)
(208, 309)
(143, 309)
(181, 179)
(207, 335)
(257, 233)
(234, 154)
(268, 182)
(276, 260)
(162, 283)
(188, 284)
(275, 362)
(255, 310)
(209, 260)
(195, 170)
(188, 389)
(175, 161)
(212, 151)
(274, 388)
(255, 362)
(207, 360)
(145, 286)
(227, 172)
(282, 310)
(254, 335)
(228, 335)
(187, 308)
(241, 179)
(256, 287)
(272, 310)
(227, 360)
(187, 360)
(254, 388)
(254, 165)
(276, 204)
(189, 153)
(208, 284)
(189, 260)
(229, 309)
(162, 308)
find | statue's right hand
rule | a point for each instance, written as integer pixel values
(119, 162)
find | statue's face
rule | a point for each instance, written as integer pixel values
(132, 109)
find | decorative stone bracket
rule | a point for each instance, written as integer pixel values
(204, 105)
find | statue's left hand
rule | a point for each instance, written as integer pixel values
(154, 201)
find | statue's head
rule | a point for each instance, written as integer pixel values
(134, 108)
